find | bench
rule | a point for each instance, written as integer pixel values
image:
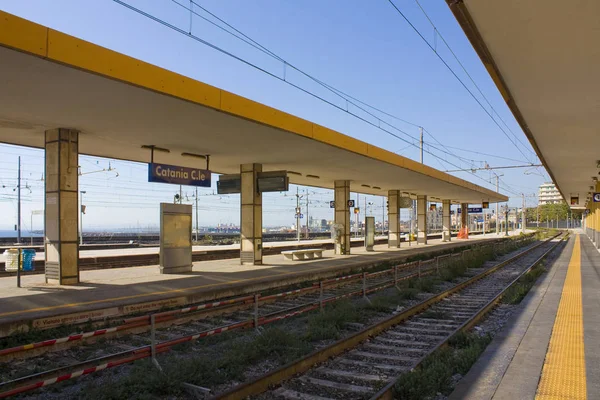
(303, 254)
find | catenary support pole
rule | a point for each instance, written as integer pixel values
(19, 202)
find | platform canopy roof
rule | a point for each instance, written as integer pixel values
(119, 104)
(544, 56)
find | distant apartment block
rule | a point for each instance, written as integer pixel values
(549, 194)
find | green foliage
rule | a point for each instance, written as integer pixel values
(329, 323)
(551, 212)
(435, 374)
(517, 292)
(207, 369)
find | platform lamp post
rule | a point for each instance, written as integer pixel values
(81, 212)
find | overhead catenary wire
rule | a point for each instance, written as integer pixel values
(457, 77)
(436, 34)
(377, 125)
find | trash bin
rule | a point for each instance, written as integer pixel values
(27, 259)
(11, 260)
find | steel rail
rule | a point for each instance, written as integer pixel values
(304, 364)
(386, 393)
(143, 321)
(83, 368)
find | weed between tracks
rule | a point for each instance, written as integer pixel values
(221, 361)
(436, 372)
(519, 290)
(36, 335)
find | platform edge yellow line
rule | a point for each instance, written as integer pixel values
(563, 375)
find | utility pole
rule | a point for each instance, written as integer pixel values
(365, 218)
(297, 213)
(523, 219)
(81, 193)
(497, 215)
(421, 142)
(307, 217)
(19, 203)
(356, 215)
(196, 214)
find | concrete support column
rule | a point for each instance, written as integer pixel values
(394, 218)
(61, 245)
(342, 215)
(421, 219)
(446, 222)
(251, 216)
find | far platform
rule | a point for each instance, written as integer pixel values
(109, 292)
(550, 348)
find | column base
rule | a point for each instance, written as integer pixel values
(65, 281)
(175, 270)
(393, 243)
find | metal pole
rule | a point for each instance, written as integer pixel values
(19, 203)
(523, 219)
(497, 214)
(81, 192)
(356, 216)
(297, 214)
(365, 218)
(421, 142)
(180, 195)
(196, 214)
(19, 268)
(31, 228)
(307, 217)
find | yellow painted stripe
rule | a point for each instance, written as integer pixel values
(26, 36)
(563, 375)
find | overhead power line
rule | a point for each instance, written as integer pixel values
(436, 32)
(380, 124)
(457, 77)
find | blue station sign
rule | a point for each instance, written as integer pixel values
(165, 173)
(472, 210)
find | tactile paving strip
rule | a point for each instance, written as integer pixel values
(563, 375)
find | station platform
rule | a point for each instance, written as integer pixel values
(550, 347)
(118, 291)
(154, 250)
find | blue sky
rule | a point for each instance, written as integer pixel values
(364, 48)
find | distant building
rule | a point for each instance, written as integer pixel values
(549, 194)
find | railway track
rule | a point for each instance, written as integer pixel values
(189, 324)
(367, 364)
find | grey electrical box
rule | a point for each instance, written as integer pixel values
(175, 238)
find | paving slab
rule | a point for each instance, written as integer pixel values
(510, 366)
